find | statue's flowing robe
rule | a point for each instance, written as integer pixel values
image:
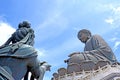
(16, 59)
(98, 48)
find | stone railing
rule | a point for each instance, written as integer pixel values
(102, 73)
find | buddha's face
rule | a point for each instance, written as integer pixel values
(83, 37)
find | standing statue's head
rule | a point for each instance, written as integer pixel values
(84, 35)
(24, 34)
(24, 24)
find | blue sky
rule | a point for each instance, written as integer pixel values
(56, 23)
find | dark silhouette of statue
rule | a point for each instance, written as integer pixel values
(21, 32)
(95, 50)
(18, 56)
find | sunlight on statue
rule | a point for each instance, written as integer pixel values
(96, 51)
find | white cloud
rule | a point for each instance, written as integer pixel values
(116, 10)
(117, 43)
(110, 21)
(113, 11)
(114, 15)
(5, 31)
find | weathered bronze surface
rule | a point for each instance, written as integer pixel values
(18, 56)
(96, 52)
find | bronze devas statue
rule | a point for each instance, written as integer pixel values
(18, 57)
